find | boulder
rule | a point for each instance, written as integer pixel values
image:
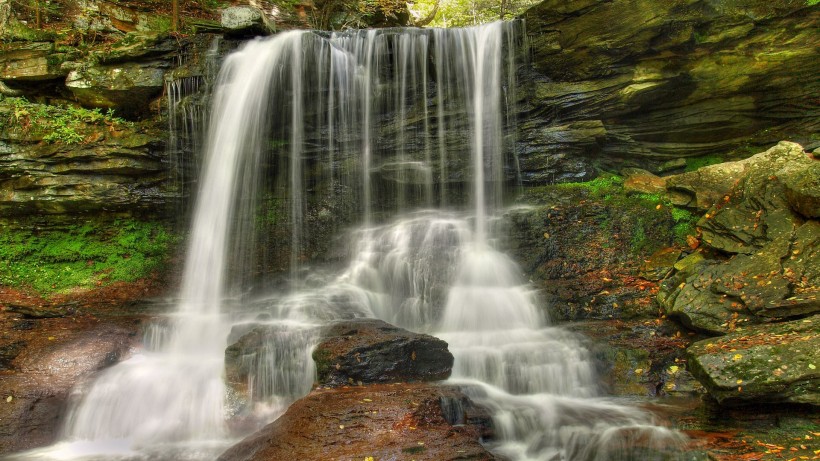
(660, 263)
(267, 360)
(643, 182)
(128, 88)
(383, 421)
(803, 189)
(770, 271)
(775, 363)
(245, 20)
(368, 351)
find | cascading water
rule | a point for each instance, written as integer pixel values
(303, 119)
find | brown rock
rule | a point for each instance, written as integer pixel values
(399, 421)
(644, 182)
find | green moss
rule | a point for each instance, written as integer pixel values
(598, 187)
(63, 124)
(694, 163)
(321, 358)
(82, 255)
(644, 222)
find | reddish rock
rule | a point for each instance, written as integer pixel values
(42, 360)
(386, 421)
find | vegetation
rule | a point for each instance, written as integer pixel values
(644, 211)
(84, 254)
(460, 13)
(694, 163)
(64, 124)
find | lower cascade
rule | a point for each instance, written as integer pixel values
(401, 136)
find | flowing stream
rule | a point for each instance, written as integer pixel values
(409, 130)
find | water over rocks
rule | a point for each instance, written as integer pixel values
(383, 421)
(373, 351)
(42, 360)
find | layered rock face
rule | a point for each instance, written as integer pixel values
(642, 83)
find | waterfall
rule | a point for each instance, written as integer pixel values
(309, 128)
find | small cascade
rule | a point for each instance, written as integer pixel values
(396, 132)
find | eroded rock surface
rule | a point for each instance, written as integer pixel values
(668, 80)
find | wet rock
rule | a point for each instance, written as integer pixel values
(263, 360)
(775, 363)
(408, 421)
(128, 88)
(371, 351)
(557, 153)
(245, 20)
(43, 364)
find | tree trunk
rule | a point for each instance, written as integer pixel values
(174, 15)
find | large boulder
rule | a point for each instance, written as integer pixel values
(775, 363)
(385, 421)
(245, 20)
(367, 351)
(771, 270)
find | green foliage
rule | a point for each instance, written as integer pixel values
(812, 2)
(82, 255)
(63, 124)
(650, 221)
(600, 187)
(461, 13)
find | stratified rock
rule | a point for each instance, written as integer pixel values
(245, 20)
(128, 88)
(558, 153)
(368, 351)
(672, 79)
(30, 61)
(59, 178)
(401, 421)
(777, 363)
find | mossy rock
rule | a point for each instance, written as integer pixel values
(777, 363)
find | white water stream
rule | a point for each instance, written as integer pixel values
(434, 271)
